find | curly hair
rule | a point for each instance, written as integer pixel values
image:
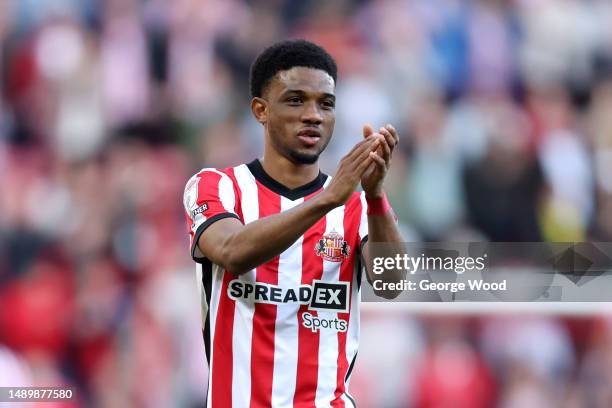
(285, 55)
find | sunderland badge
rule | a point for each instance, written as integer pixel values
(332, 247)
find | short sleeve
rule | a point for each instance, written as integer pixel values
(209, 197)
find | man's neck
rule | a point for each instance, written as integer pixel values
(289, 174)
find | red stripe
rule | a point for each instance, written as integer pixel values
(208, 187)
(208, 191)
(352, 217)
(237, 192)
(264, 317)
(308, 342)
(190, 229)
(222, 357)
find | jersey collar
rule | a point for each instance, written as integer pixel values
(264, 178)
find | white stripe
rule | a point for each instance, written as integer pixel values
(217, 283)
(202, 293)
(226, 193)
(244, 310)
(248, 192)
(286, 328)
(328, 339)
(348, 402)
(363, 224)
(327, 181)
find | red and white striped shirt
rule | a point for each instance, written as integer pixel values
(284, 334)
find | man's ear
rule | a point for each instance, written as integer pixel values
(259, 107)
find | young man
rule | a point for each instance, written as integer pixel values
(278, 243)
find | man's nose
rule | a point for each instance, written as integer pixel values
(311, 113)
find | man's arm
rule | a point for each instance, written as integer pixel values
(383, 228)
(239, 248)
(382, 225)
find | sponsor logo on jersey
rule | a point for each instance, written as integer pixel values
(332, 247)
(320, 296)
(315, 323)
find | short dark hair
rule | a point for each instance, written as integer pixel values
(285, 55)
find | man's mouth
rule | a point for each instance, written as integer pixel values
(309, 137)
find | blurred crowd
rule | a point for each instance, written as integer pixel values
(108, 106)
(509, 361)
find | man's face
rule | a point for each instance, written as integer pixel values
(301, 113)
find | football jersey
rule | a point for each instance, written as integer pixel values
(285, 333)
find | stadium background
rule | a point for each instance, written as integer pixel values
(107, 107)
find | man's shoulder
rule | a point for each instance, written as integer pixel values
(214, 173)
(216, 170)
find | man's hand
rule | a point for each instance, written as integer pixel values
(351, 169)
(373, 177)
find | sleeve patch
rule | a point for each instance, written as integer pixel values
(199, 210)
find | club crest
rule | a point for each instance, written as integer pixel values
(332, 247)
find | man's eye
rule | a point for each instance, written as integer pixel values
(328, 104)
(294, 100)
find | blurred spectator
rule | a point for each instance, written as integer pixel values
(596, 373)
(451, 371)
(503, 187)
(397, 369)
(433, 189)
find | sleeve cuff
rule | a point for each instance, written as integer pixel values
(201, 229)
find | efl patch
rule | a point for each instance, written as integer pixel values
(199, 210)
(332, 247)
